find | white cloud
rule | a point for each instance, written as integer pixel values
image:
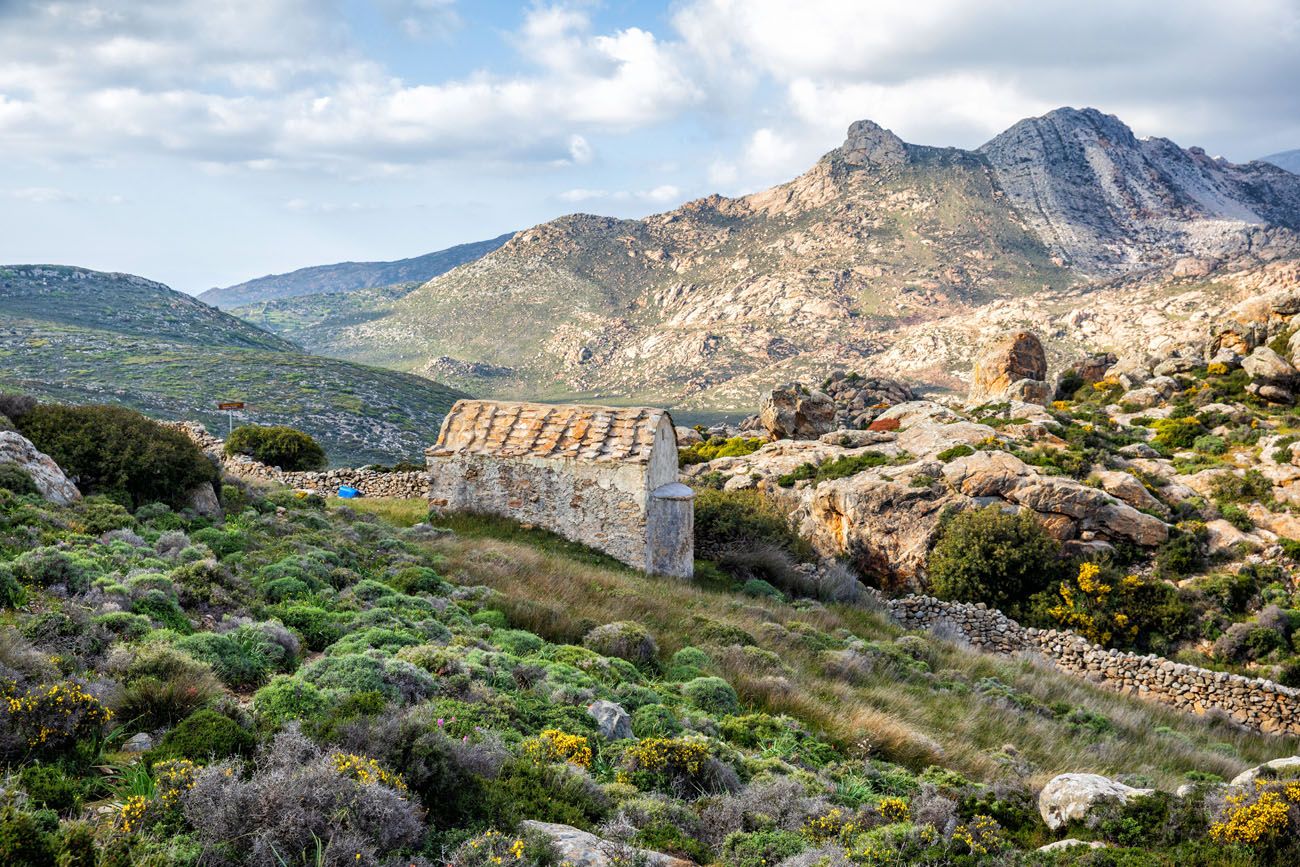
(57, 196)
(660, 195)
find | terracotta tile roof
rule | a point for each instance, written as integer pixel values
(516, 429)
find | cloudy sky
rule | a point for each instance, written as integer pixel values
(203, 142)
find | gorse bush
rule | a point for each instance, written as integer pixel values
(277, 446)
(737, 520)
(991, 556)
(118, 453)
(15, 478)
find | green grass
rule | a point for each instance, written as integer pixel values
(917, 720)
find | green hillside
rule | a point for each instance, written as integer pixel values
(79, 336)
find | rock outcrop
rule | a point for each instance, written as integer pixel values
(1003, 365)
(581, 849)
(49, 477)
(1068, 797)
(795, 412)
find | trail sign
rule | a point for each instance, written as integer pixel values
(229, 407)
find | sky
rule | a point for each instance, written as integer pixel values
(205, 142)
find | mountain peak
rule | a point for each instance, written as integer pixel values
(870, 144)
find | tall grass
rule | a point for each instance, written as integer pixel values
(915, 722)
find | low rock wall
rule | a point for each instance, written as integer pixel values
(1254, 702)
(369, 482)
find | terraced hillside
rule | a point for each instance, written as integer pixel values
(81, 336)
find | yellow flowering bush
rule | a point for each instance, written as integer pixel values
(1271, 811)
(366, 771)
(667, 764)
(1116, 612)
(1216, 368)
(830, 827)
(554, 745)
(131, 814)
(980, 836)
(53, 716)
(493, 848)
(894, 809)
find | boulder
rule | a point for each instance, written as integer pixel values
(138, 743)
(1069, 797)
(1004, 362)
(1267, 367)
(581, 849)
(1143, 397)
(884, 526)
(1221, 537)
(48, 476)
(687, 436)
(1092, 368)
(1029, 391)
(795, 412)
(1069, 842)
(1289, 767)
(612, 721)
(1127, 488)
(853, 439)
(203, 501)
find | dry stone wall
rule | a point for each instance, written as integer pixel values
(1254, 702)
(370, 482)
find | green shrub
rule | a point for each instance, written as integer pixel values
(718, 447)
(655, 721)
(119, 453)
(25, 840)
(206, 735)
(548, 793)
(1210, 444)
(287, 698)
(1237, 517)
(277, 446)
(957, 451)
(238, 663)
(624, 640)
(761, 848)
(726, 521)
(833, 468)
(1251, 486)
(999, 558)
(1181, 555)
(46, 567)
(1177, 433)
(15, 478)
(12, 593)
(48, 786)
(712, 695)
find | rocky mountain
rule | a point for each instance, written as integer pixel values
(1289, 160)
(885, 257)
(350, 276)
(81, 336)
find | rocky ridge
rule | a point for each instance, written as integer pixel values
(886, 257)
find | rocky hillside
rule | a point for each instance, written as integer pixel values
(349, 276)
(885, 257)
(1289, 160)
(81, 336)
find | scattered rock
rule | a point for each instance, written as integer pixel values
(795, 412)
(687, 436)
(1274, 768)
(1004, 362)
(613, 722)
(138, 743)
(1267, 367)
(1069, 842)
(1069, 797)
(203, 501)
(581, 849)
(48, 476)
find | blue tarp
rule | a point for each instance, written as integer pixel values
(348, 493)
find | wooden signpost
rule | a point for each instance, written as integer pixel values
(229, 408)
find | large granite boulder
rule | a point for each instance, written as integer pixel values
(1266, 366)
(1288, 767)
(581, 849)
(1069, 797)
(1005, 361)
(796, 412)
(48, 476)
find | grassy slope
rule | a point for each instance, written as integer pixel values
(83, 337)
(559, 592)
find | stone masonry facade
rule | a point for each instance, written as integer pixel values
(602, 476)
(1256, 703)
